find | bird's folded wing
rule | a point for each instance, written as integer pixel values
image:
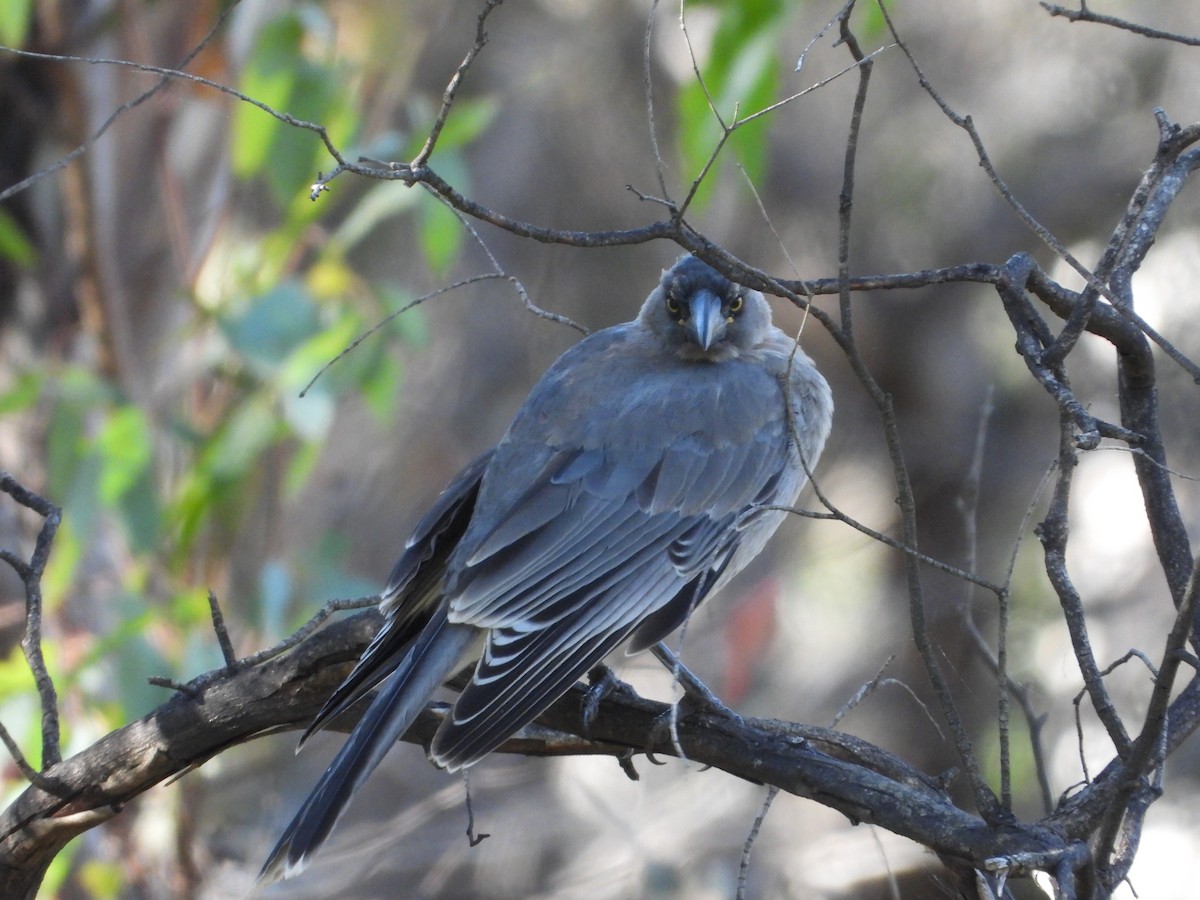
(559, 593)
(528, 570)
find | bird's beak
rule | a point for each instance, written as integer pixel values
(706, 322)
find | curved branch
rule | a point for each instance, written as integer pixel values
(226, 707)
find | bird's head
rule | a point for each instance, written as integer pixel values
(701, 314)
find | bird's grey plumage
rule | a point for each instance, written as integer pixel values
(630, 486)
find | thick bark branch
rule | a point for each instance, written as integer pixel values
(226, 707)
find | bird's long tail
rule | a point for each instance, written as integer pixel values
(433, 658)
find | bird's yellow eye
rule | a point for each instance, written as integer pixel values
(672, 306)
(735, 305)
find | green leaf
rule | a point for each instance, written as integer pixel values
(249, 431)
(280, 74)
(190, 609)
(741, 74)
(467, 121)
(76, 393)
(14, 245)
(412, 325)
(269, 76)
(59, 869)
(102, 879)
(23, 394)
(381, 202)
(440, 235)
(872, 24)
(755, 79)
(60, 570)
(308, 356)
(273, 324)
(216, 483)
(15, 16)
(124, 446)
(300, 468)
(309, 416)
(381, 390)
(295, 153)
(16, 680)
(141, 512)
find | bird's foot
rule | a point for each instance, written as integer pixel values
(697, 696)
(602, 683)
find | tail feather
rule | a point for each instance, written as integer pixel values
(432, 659)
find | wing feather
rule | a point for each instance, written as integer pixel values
(522, 673)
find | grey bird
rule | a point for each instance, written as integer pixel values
(631, 485)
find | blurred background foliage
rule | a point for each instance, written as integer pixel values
(166, 297)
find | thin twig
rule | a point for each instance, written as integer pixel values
(31, 641)
(874, 685)
(65, 160)
(968, 503)
(173, 684)
(1147, 751)
(349, 348)
(31, 774)
(218, 623)
(1053, 532)
(501, 272)
(1034, 721)
(840, 18)
(1083, 14)
(816, 85)
(836, 514)
(846, 195)
(755, 828)
(648, 87)
(306, 629)
(967, 124)
(452, 87)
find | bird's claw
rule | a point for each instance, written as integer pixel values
(602, 683)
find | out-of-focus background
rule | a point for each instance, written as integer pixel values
(166, 295)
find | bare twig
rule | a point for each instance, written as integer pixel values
(175, 685)
(222, 632)
(1034, 721)
(501, 272)
(968, 125)
(846, 196)
(301, 634)
(1148, 751)
(1083, 14)
(451, 90)
(751, 837)
(32, 775)
(1053, 532)
(87, 145)
(837, 514)
(31, 642)
(985, 799)
(968, 504)
(349, 348)
(874, 685)
(1077, 700)
(648, 87)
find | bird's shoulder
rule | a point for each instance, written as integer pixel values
(619, 386)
